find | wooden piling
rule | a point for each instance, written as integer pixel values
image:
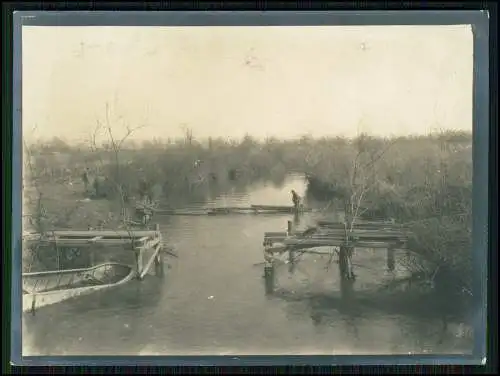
(391, 263)
(138, 260)
(291, 253)
(58, 257)
(268, 270)
(345, 262)
(159, 267)
(269, 278)
(92, 257)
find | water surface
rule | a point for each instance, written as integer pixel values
(212, 300)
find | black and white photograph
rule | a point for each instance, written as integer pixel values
(247, 190)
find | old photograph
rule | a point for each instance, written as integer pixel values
(247, 190)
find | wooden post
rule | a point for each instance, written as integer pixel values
(345, 262)
(269, 278)
(159, 267)
(58, 257)
(291, 261)
(33, 305)
(390, 258)
(291, 253)
(138, 257)
(268, 271)
(296, 219)
(92, 257)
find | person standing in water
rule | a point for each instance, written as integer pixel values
(295, 200)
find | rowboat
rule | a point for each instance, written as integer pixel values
(49, 287)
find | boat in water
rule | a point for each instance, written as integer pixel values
(49, 287)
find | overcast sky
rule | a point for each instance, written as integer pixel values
(230, 81)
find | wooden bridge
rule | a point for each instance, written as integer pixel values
(224, 210)
(339, 238)
(139, 242)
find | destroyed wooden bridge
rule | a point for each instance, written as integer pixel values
(137, 241)
(61, 283)
(339, 237)
(224, 210)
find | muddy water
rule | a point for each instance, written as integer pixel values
(212, 300)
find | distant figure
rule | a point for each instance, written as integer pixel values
(85, 178)
(295, 199)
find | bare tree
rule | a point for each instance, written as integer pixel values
(114, 146)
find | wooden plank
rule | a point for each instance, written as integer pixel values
(318, 252)
(145, 269)
(361, 225)
(357, 236)
(276, 233)
(149, 244)
(83, 243)
(103, 233)
(338, 236)
(272, 207)
(309, 243)
(229, 208)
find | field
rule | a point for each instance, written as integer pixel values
(423, 182)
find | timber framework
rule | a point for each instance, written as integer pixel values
(339, 237)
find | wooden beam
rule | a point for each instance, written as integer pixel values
(82, 243)
(145, 269)
(273, 234)
(310, 243)
(149, 244)
(94, 233)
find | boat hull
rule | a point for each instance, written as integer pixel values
(57, 287)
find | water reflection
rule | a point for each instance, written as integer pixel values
(213, 300)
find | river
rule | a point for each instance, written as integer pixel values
(212, 300)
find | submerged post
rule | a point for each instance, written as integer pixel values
(390, 258)
(92, 257)
(269, 278)
(159, 266)
(345, 262)
(268, 271)
(291, 253)
(138, 260)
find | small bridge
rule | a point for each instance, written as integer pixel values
(341, 240)
(224, 210)
(146, 245)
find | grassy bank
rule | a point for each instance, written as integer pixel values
(423, 182)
